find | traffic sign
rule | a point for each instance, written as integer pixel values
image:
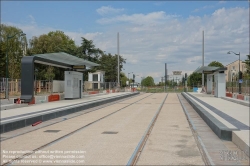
(240, 81)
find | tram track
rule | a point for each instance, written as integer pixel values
(12, 161)
(77, 114)
(136, 155)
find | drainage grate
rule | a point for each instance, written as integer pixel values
(52, 131)
(109, 132)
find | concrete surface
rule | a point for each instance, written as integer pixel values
(242, 102)
(38, 138)
(18, 118)
(217, 151)
(171, 141)
(232, 115)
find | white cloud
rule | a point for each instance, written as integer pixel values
(32, 19)
(203, 8)
(148, 41)
(139, 19)
(222, 2)
(108, 10)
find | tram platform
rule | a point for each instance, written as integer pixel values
(13, 119)
(228, 119)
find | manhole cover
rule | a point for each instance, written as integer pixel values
(109, 132)
(52, 131)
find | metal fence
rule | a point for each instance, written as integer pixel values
(95, 85)
(162, 89)
(47, 87)
(233, 87)
(14, 87)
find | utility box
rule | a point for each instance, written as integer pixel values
(73, 85)
(219, 84)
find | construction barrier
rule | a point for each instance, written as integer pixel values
(229, 94)
(32, 101)
(93, 92)
(241, 97)
(55, 97)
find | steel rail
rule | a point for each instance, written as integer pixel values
(136, 154)
(68, 135)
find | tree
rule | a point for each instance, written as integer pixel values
(54, 41)
(215, 64)
(16, 50)
(88, 51)
(194, 79)
(108, 63)
(246, 74)
(148, 81)
(123, 79)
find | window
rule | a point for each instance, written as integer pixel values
(233, 67)
(95, 85)
(95, 77)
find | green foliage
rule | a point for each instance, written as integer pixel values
(52, 42)
(88, 51)
(246, 74)
(123, 79)
(215, 64)
(49, 43)
(55, 41)
(49, 75)
(194, 79)
(108, 63)
(148, 81)
(16, 50)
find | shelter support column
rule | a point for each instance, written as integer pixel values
(209, 83)
(27, 79)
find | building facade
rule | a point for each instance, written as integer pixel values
(233, 69)
(95, 80)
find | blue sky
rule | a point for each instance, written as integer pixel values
(151, 33)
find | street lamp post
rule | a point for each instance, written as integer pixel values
(7, 84)
(229, 52)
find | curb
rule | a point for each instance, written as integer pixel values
(20, 123)
(236, 101)
(221, 130)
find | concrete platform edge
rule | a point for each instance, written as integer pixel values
(240, 143)
(29, 121)
(222, 131)
(236, 101)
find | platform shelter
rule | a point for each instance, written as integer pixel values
(71, 63)
(219, 79)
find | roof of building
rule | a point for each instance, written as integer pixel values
(233, 62)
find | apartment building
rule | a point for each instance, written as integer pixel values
(233, 69)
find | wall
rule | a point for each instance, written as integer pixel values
(234, 64)
(58, 86)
